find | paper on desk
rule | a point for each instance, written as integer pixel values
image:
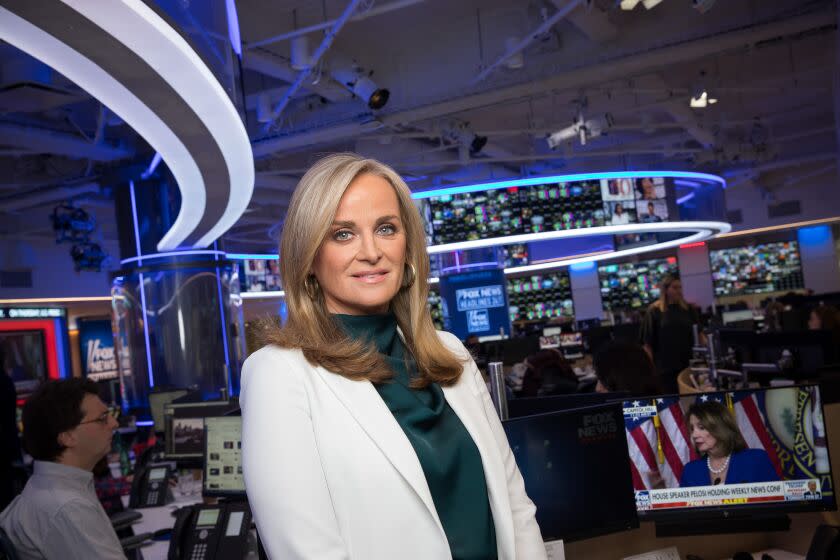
(662, 554)
(555, 550)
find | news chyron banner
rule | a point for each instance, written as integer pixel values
(785, 459)
(475, 303)
(96, 348)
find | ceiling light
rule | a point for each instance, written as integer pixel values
(354, 78)
(700, 101)
(650, 4)
(629, 4)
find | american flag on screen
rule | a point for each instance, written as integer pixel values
(658, 443)
(753, 423)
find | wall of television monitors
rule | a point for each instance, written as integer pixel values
(546, 207)
(633, 285)
(259, 275)
(530, 298)
(766, 267)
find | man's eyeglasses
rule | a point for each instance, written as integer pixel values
(102, 418)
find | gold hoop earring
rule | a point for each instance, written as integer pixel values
(310, 284)
(408, 279)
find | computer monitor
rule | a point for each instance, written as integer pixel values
(25, 358)
(576, 470)
(782, 466)
(529, 406)
(157, 400)
(184, 434)
(223, 456)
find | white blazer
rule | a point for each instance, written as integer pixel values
(331, 475)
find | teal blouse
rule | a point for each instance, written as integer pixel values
(446, 451)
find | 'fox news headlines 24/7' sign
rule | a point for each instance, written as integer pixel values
(475, 303)
(96, 345)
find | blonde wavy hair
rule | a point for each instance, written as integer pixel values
(662, 303)
(310, 327)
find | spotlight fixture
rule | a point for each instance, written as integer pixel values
(650, 4)
(628, 5)
(357, 81)
(702, 100)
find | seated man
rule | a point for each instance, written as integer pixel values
(67, 429)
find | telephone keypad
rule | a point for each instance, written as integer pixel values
(152, 497)
(199, 552)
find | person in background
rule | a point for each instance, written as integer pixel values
(548, 373)
(725, 457)
(619, 217)
(9, 439)
(646, 189)
(667, 332)
(397, 449)
(67, 429)
(651, 216)
(826, 318)
(626, 367)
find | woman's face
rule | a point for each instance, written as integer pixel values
(648, 189)
(702, 439)
(674, 292)
(814, 321)
(361, 261)
(619, 209)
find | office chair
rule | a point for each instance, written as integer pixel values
(7, 549)
(825, 545)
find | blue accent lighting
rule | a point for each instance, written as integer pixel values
(814, 236)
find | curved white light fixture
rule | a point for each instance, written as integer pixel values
(160, 48)
(119, 99)
(702, 230)
(143, 31)
(531, 181)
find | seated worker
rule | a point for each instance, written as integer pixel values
(725, 457)
(624, 366)
(67, 429)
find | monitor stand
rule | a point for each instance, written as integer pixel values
(725, 524)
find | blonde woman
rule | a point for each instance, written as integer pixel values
(366, 433)
(667, 332)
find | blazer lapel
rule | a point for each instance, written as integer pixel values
(465, 400)
(365, 405)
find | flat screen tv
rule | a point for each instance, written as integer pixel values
(753, 269)
(721, 455)
(24, 358)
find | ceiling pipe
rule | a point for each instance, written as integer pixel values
(46, 196)
(44, 141)
(319, 26)
(316, 56)
(646, 60)
(521, 45)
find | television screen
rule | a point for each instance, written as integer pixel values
(633, 285)
(223, 456)
(767, 267)
(514, 210)
(24, 358)
(733, 451)
(576, 470)
(540, 297)
(184, 426)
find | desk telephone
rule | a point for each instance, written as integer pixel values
(208, 532)
(150, 487)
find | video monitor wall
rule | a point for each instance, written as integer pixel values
(633, 285)
(778, 459)
(546, 207)
(541, 296)
(767, 267)
(259, 275)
